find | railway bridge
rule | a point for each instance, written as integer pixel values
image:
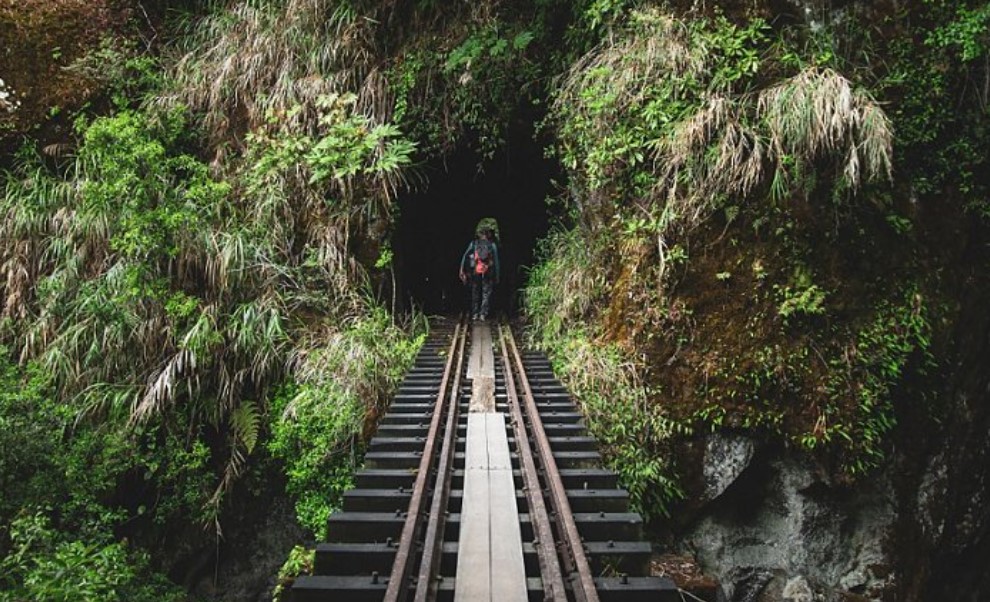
(481, 484)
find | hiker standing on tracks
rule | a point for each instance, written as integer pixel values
(480, 264)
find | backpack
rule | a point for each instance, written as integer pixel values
(484, 253)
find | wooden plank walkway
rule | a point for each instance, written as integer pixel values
(481, 362)
(481, 369)
(489, 560)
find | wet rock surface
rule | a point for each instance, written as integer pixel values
(250, 557)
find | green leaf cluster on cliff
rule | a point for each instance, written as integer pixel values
(750, 246)
(171, 303)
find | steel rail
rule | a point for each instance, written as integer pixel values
(573, 554)
(426, 585)
(397, 589)
(554, 588)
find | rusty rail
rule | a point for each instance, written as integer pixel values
(446, 403)
(433, 540)
(554, 587)
(572, 553)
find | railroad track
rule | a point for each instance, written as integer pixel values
(399, 537)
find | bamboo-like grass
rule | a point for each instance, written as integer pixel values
(736, 143)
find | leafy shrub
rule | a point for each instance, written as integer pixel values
(318, 419)
(898, 335)
(47, 566)
(58, 475)
(299, 562)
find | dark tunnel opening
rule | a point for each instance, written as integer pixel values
(437, 222)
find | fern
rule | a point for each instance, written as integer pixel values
(245, 421)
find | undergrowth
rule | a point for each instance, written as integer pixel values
(60, 505)
(318, 419)
(635, 434)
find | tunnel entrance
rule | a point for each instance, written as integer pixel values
(436, 223)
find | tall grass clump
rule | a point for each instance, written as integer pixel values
(566, 286)
(248, 61)
(635, 436)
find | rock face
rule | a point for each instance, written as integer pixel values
(246, 566)
(726, 456)
(944, 533)
(778, 532)
(774, 526)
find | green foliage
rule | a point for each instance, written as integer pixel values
(318, 419)
(152, 196)
(246, 61)
(347, 169)
(122, 68)
(623, 97)
(874, 366)
(596, 14)
(316, 435)
(28, 436)
(48, 462)
(800, 297)
(47, 566)
(166, 298)
(352, 144)
(245, 422)
(566, 284)
(669, 124)
(489, 73)
(299, 562)
(635, 434)
(967, 30)
(58, 476)
(593, 19)
(162, 301)
(939, 114)
(181, 470)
